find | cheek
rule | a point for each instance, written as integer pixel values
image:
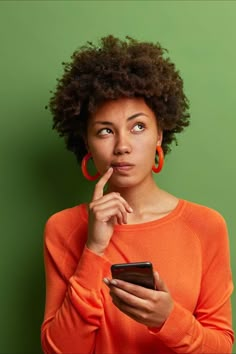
(147, 152)
(100, 159)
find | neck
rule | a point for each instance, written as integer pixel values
(147, 200)
(140, 196)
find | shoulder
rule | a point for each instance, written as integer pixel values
(201, 214)
(64, 238)
(197, 212)
(206, 223)
(63, 223)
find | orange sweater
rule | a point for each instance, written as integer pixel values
(188, 247)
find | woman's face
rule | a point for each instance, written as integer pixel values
(123, 134)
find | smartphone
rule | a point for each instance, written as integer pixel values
(139, 273)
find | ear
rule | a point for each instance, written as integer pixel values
(160, 137)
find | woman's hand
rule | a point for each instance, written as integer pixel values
(149, 307)
(104, 212)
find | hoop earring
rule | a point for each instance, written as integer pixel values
(160, 154)
(84, 168)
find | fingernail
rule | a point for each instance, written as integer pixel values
(113, 282)
(106, 281)
(130, 210)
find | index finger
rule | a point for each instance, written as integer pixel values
(120, 287)
(98, 190)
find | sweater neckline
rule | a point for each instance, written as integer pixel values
(153, 223)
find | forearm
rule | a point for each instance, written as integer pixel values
(183, 333)
(209, 328)
(72, 327)
(67, 332)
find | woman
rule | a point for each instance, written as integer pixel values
(121, 103)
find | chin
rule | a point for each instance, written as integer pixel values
(124, 182)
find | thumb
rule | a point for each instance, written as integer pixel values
(160, 285)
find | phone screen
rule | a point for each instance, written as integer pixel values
(139, 273)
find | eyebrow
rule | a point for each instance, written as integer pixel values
(128, 119)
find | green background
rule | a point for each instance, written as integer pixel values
(39, 177)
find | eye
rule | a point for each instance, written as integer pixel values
(105, 131)
(138, 127)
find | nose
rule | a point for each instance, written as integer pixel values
(122, 145)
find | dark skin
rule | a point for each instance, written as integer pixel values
(126, 130)
(149, 307)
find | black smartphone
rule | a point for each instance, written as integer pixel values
(139, 273)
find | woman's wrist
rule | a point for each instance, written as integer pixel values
(95, 249)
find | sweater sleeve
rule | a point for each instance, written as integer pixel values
(74, 305)
(209, 328)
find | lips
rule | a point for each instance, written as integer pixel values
(122, 166)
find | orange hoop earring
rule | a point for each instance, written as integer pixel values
(160, 154)
(84, 168)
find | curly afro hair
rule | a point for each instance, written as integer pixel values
(112, 70)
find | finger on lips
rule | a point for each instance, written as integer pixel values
(98, 190)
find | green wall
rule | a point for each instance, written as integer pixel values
(38, 177)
